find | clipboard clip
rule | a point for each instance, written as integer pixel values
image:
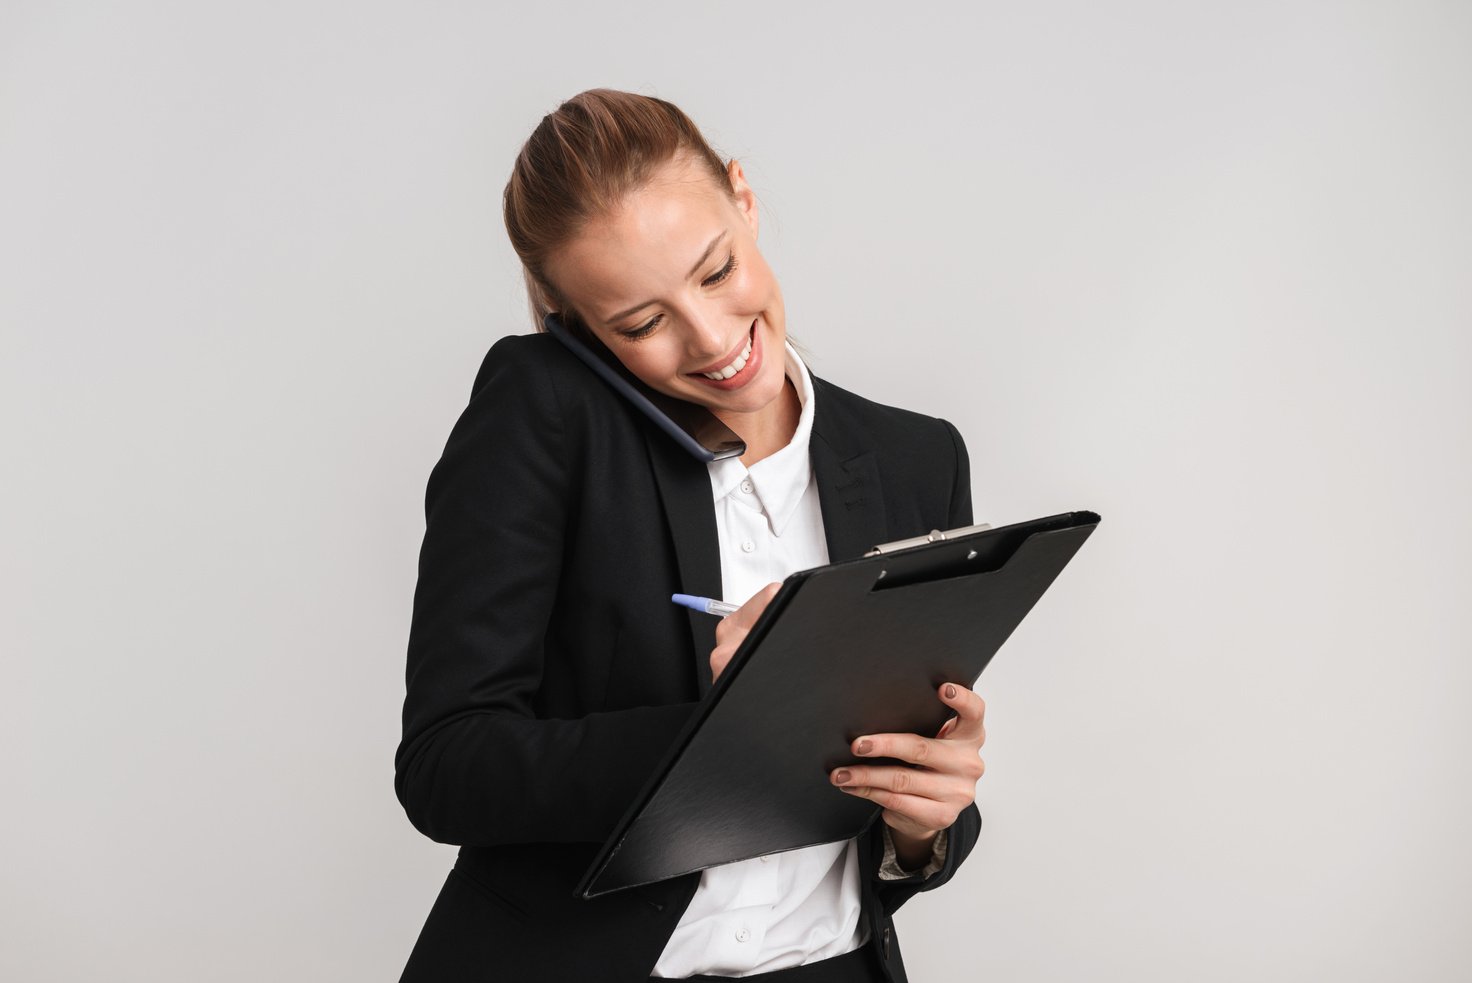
(934, 536)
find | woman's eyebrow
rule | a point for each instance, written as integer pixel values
(693, 270)
(706, 255)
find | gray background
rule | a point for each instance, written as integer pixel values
(1203, 268)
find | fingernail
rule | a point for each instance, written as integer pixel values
(950, 692)
(841, 776)
(864, 746)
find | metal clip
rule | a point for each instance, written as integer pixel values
(934, 536)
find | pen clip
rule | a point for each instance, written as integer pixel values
(934, 536)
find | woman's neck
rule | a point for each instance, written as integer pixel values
(769, 429)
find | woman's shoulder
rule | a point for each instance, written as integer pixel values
(532, 361)
(534, 381)
(536, 375)
(864, 406)
(906, 432)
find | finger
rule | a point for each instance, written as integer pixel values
(916, 813)
(718, 658)
(746, 615)
(941, 786)
(970, 710)
(950, 757)
(913, 748)
(732, 629)
(913, 809)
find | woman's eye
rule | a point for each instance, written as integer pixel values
(641, 332)
(711, 280)
(723, 272)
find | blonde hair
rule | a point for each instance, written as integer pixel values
(580, 162)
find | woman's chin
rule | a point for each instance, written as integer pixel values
(754, 397)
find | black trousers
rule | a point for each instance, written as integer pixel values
(856, 966)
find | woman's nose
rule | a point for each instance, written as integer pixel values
(708, 338)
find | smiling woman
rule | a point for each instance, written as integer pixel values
(696, 331)
(548, 673)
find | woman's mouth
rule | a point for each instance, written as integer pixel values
(735, 372)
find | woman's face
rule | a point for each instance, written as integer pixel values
(672, 283)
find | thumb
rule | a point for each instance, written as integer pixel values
(748, 613)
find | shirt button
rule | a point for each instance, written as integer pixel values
(747, 486)
(748, 546)
(742, 934)
(764, 859)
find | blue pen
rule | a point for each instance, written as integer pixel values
(707, 604)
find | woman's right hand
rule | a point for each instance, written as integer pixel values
(732, 629)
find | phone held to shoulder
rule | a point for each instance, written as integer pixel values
(694, 427)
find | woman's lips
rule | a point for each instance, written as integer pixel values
(748, 371)
(730, 356)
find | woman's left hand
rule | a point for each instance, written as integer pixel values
(923, 799)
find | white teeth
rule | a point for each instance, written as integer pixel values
(734, 367)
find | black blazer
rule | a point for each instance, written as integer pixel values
(548, 671)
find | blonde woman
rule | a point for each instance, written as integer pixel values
(548, 671)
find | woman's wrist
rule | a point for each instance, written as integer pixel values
(912, 852)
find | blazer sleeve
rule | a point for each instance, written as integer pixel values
(960, 502)
(476, 765)
(961, 835)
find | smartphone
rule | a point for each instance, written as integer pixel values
(694, 427)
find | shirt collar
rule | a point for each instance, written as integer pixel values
(780, 478)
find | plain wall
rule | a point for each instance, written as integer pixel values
(1202, 268)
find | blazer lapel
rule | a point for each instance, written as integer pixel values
(849, 497)
(849, 493)
(684, 490)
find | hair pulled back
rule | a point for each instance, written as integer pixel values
(579, 163)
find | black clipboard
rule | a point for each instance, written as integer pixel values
(854, 647)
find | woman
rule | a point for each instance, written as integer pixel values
(548, 671)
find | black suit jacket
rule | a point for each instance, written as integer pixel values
(548, 671)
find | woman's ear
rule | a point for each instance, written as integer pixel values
(745, 198)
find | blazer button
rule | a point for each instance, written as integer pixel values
(886, 942)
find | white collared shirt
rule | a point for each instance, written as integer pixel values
(785, 909)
